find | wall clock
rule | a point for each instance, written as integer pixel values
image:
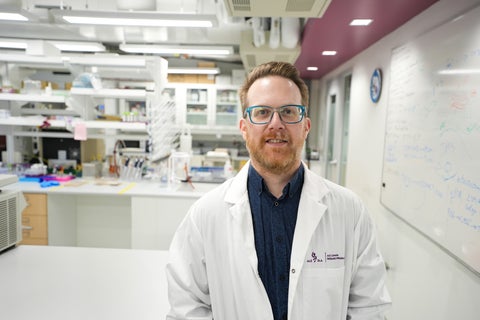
(376, 85)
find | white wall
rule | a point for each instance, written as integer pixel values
(424, 281)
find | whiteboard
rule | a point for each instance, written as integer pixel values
(431, 163)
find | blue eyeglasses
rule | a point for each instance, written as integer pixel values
(291, 113)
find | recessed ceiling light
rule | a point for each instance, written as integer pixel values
(312, 68)
(361, 22)
(329, 53)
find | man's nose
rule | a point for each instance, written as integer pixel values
(276, 120)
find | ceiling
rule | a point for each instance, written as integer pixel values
(330, 32)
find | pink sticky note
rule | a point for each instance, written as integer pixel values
(80, 132)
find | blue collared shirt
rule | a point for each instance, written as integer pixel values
(274, 224)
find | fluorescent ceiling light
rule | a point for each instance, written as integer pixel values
(167, 49)
(312, 68)
(141, 19)
(12, 16)
(329, 53)
(13, 44)
(109, 61)
(60, 45)
(193, 70)
(78, 46)
(361, 22)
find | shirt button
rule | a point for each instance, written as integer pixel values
(276, 204)
(284, 316)
(279, 239)
(282, 277)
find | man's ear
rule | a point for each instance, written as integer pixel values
(308, 124)
(243, 128)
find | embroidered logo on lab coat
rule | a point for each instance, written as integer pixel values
(314, 258)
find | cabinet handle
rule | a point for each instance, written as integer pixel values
(27, 227)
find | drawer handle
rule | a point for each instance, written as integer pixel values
(27, 227)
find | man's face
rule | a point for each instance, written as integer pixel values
(275, 147)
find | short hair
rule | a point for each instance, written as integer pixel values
(274, 68)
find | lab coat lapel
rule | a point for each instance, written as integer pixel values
(310, 211)
(240, 211)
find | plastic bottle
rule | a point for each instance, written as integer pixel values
(186, 140)
(228, 169)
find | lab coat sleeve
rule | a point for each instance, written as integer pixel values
(188, 292)
(368, 299)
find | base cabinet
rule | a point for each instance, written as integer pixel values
(126, 222)
(35, 220)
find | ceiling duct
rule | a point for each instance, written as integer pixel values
(280, 8)
(252, 56)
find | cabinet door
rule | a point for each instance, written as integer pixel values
(197, 106)
(34, 220)
(227, 107)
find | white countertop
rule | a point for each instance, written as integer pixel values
(127, 188)
(45, 282)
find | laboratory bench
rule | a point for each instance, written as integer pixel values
(56, 283)
(108, 214)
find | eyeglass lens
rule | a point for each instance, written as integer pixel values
(289, 114)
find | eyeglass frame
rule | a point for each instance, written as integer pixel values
(249, 109)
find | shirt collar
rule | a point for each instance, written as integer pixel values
(256, 182)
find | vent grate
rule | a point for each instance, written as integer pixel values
(277, 8)
(9, 221)
(299, 5)
(4, 226)
(12, 223)
(241, 5)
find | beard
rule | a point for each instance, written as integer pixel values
(275, 160)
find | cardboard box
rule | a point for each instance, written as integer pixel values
(190, 78)
(206, 78)
(176, 78)
(206, 64)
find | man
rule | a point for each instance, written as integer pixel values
(277, 241)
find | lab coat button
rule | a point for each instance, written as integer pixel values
(293, 270)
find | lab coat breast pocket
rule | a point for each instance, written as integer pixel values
(322, 293)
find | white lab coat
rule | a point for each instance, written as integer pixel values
(336, 270)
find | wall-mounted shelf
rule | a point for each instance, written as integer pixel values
(94, 124)
(32, 97)
(110, 93)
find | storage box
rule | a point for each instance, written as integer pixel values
(92, 170)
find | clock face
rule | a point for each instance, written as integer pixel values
(376, 85)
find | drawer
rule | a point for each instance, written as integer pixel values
(36, 204)
(34, 226)
(33, 241)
